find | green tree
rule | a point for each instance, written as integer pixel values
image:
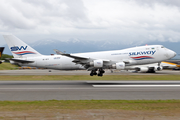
(4, 56)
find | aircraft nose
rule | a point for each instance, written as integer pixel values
(172, 53)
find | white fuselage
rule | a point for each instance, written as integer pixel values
(133, 56)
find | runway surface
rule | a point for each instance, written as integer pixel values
(88, 90)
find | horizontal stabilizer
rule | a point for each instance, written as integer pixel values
(1, 61)
(20, 60)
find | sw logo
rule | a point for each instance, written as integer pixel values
(16, 48)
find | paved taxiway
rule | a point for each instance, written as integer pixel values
(88, 90)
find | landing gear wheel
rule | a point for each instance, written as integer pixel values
(100, 74)
(101, 71)
(93, 72)
(151, 71)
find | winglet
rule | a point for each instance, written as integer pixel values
(58, 52)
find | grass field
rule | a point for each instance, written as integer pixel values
(149, 105)
(87, 77)
(90, 109)
(7, 66)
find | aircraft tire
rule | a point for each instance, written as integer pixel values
(91, 74)
(95, 73)
(100, 74)
(150, 71)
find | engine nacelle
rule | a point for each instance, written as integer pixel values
(97, 63)
(158, 68)
(119, 66)
(143, 69)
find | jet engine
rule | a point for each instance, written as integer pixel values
(143, 69)
(119, 66)
(150, 70)
(97, 63)
(157, 68)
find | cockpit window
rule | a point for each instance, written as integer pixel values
(162, 46)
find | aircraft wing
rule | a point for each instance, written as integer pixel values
(83, 60)
(76, 57)
(69, 55)
(152, 67)
(146, 67)
(58, 52)
(168, 64)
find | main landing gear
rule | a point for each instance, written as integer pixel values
(100, 72)
(151, 71)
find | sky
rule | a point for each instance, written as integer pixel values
(127, 21)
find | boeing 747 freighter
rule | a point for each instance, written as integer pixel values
(95, 62)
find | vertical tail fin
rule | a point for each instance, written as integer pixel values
(18, 48)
